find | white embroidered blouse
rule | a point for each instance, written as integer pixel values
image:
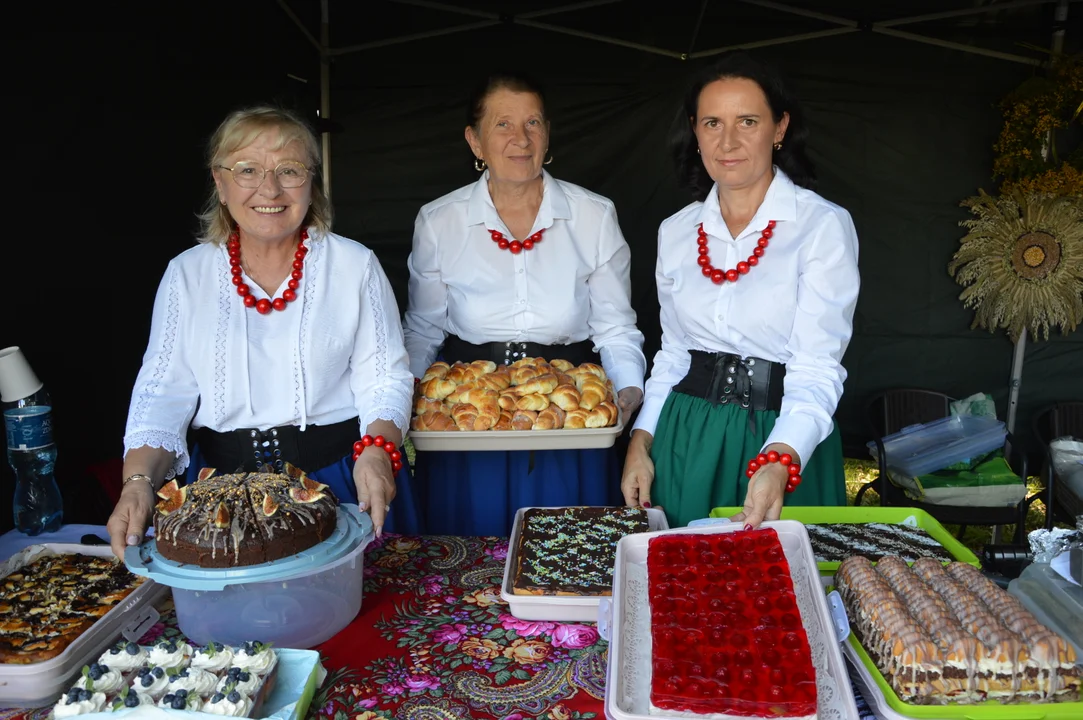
(795, 307)
(334, 353)
(572, 286)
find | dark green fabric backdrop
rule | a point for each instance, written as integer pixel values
(99, 93)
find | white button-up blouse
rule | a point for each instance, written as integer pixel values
(795, 307)
(334, 353)
(574, 285)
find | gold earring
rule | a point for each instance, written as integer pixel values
(778, 146)
(548, 161)
(479, 164)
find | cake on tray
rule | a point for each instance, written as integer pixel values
(240, 519)
(949, 634)
(726, 633)
(570, 551)
(834, 542)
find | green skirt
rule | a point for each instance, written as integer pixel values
(701, 452)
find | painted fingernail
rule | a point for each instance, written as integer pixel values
(133, 540)
(646, 504)
(362, 506)
(748, 526)
(379, 531)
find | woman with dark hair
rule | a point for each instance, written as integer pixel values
(757, 283)
(515, 266)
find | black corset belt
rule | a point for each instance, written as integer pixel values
(724, 379)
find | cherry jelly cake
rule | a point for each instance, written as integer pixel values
(726, 632)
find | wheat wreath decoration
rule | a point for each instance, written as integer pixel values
(1022, 263)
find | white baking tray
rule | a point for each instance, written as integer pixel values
(41, 684)
(585, 439)
(560, 608)
(628, 681)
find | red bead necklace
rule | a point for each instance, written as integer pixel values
(264, 306)
(719, 276)
(515, 246)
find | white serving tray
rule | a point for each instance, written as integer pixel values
(40, 684)
(559, 608)
(585, 439)
(628, 682)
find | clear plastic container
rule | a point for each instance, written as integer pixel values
(41, 684)
(1053, 600)
(921, 449)
(295, 602)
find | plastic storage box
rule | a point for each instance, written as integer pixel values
(921, 449)
(41, 684)
(1053, 600)
(296, 602)
(560, 608)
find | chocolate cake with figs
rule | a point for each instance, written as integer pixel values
(240, 519)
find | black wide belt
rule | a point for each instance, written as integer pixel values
(505, 353)
(725, 379)
(250, 449)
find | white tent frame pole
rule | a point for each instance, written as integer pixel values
(1016, 382)
(902, 34)
(300, 25)
(325, 93)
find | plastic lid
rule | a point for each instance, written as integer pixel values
(352, 528)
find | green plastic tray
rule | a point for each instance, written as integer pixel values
(988, 710)
(863, 514)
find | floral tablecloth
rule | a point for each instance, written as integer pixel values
(434, 641)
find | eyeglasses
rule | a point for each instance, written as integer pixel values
(248, 174)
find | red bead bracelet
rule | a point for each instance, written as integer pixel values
(792, 468)
(380, 442)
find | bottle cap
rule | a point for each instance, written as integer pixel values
(17, 380)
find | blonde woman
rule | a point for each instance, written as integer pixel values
(272, 341)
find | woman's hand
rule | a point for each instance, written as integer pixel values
(628, 400)
(766, 490)
(375, 481)
(131, 517)
(638, 470)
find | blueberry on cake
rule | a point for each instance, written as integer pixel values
(570, 551)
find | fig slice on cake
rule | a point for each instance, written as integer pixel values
(206, 473)
(221, 516)
(172, 496)
(302, 495)
(270, 507)
(309, 484)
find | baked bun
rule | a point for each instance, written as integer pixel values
(531, 393)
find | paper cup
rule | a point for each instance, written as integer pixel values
(17, 380)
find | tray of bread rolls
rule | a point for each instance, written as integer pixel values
(531, 404)
(934, 640)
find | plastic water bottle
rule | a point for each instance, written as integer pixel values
(28, 422)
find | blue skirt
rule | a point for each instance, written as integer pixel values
(405, 517)
(478, 492)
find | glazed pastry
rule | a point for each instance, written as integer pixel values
(942, 635)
